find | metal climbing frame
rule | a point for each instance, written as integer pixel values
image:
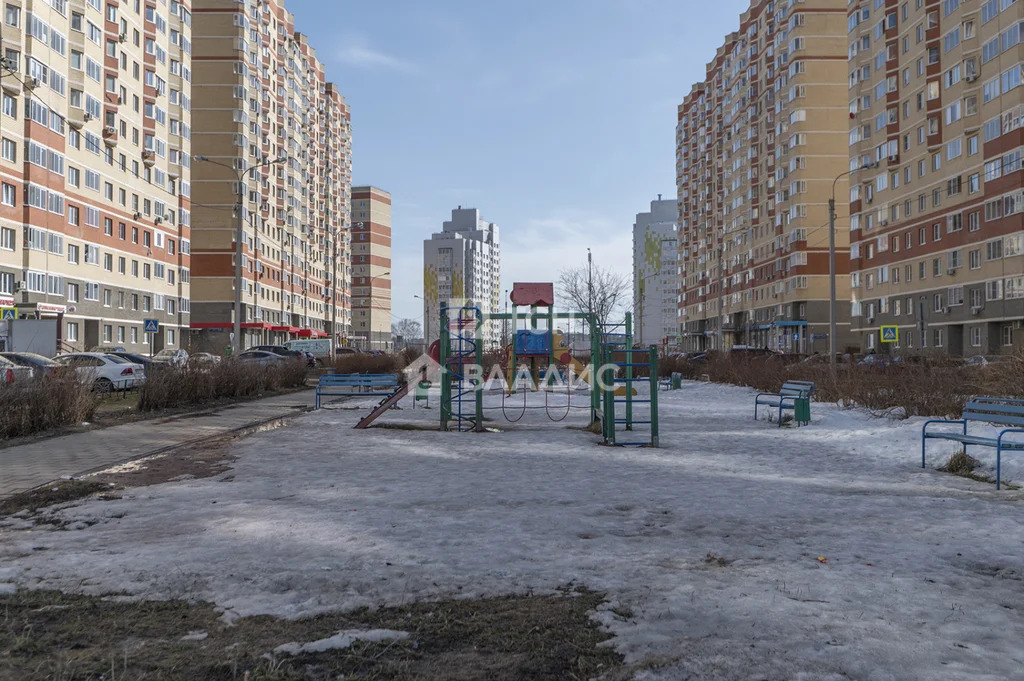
(633, 358)
(459, 349)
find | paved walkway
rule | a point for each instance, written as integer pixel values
(26, 466)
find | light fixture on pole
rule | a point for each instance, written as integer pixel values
(370, 283)
(240, 176)
(832, 261)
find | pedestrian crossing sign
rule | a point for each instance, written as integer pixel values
(890, 334)
(8, 313)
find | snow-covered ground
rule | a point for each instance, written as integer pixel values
(742, 550)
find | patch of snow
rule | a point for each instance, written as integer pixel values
(343, 639)
(921, 578)
(195, 636)
(6, 588)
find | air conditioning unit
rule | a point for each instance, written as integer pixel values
(871, 320)
(884, 223)
(87, 117)
(20, 285)
(971, 77)
(122, 38)
(976, 310)
(110, 130)
(157, 221)
(146, 154)
(950, 270)
(31, 83)
(893, 158)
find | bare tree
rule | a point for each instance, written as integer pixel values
(407, 329)
(604, 294)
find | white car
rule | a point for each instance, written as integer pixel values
(104, 372)
(175, 358)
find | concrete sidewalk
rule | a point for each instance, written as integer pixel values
(26, 466)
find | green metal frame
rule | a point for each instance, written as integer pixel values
(603, 369)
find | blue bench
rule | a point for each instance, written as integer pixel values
(352, 385)
(1003, 411)
(785, 398)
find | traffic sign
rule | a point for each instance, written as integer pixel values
(819, 336)
(796, 336)
(151, 326)
(890, 334)
(8, 313)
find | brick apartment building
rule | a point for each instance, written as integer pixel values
(936, 101)
(760, 143)
(94, 170)
(371, 268)
(260, 96)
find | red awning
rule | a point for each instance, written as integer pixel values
(289, 329)
(306, 333)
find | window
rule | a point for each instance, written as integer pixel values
(9, 195)
(974, 259)
(170, 337)
(72, 332)
(10, 150)
(1007, 334)
(994, 290)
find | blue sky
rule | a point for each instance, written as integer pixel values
(556, 119)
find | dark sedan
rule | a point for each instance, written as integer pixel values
(41, 366)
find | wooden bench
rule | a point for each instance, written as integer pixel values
(1003, 411)
(352, 385)
(785, 398)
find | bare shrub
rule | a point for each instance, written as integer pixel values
(171, 387)
(44, 404)
(370, 364)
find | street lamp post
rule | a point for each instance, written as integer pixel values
(832, 261)
(376, 276)
(240, 176)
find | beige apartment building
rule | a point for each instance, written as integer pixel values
(371, 268)
(265, 116)
(938, 241)
(94, 170)
(760, 143)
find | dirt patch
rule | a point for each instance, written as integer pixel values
(60, 492)
(50, 635)
(963, 464)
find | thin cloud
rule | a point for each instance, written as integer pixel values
(367, 58)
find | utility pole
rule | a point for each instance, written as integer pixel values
(236, 340)
(832, 277)
(240, 176)
(721, 277)
(590, 282)
(334, 293)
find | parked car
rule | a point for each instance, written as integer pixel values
(14, 373)
(984, 361)
(133, 357)
(41, 366)
(203, 358)
(319, 347)
(108, 349)
(261, 357)
(104, 372)
(174, 357)
(285, 352)
(346, 351)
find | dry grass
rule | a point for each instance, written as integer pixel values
(935, 386)
(50, 635)
(372, 364)
(46, 403)
(202, 384)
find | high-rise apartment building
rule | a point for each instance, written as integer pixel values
(462, 266)
(371, 268)
(655, 283)
(94, 170)
(938, 242)
(266, 117)
(759, 144)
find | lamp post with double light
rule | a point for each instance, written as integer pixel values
(240, 176)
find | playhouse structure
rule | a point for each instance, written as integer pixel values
(539, 350)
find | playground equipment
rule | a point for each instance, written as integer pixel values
(544, 348)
